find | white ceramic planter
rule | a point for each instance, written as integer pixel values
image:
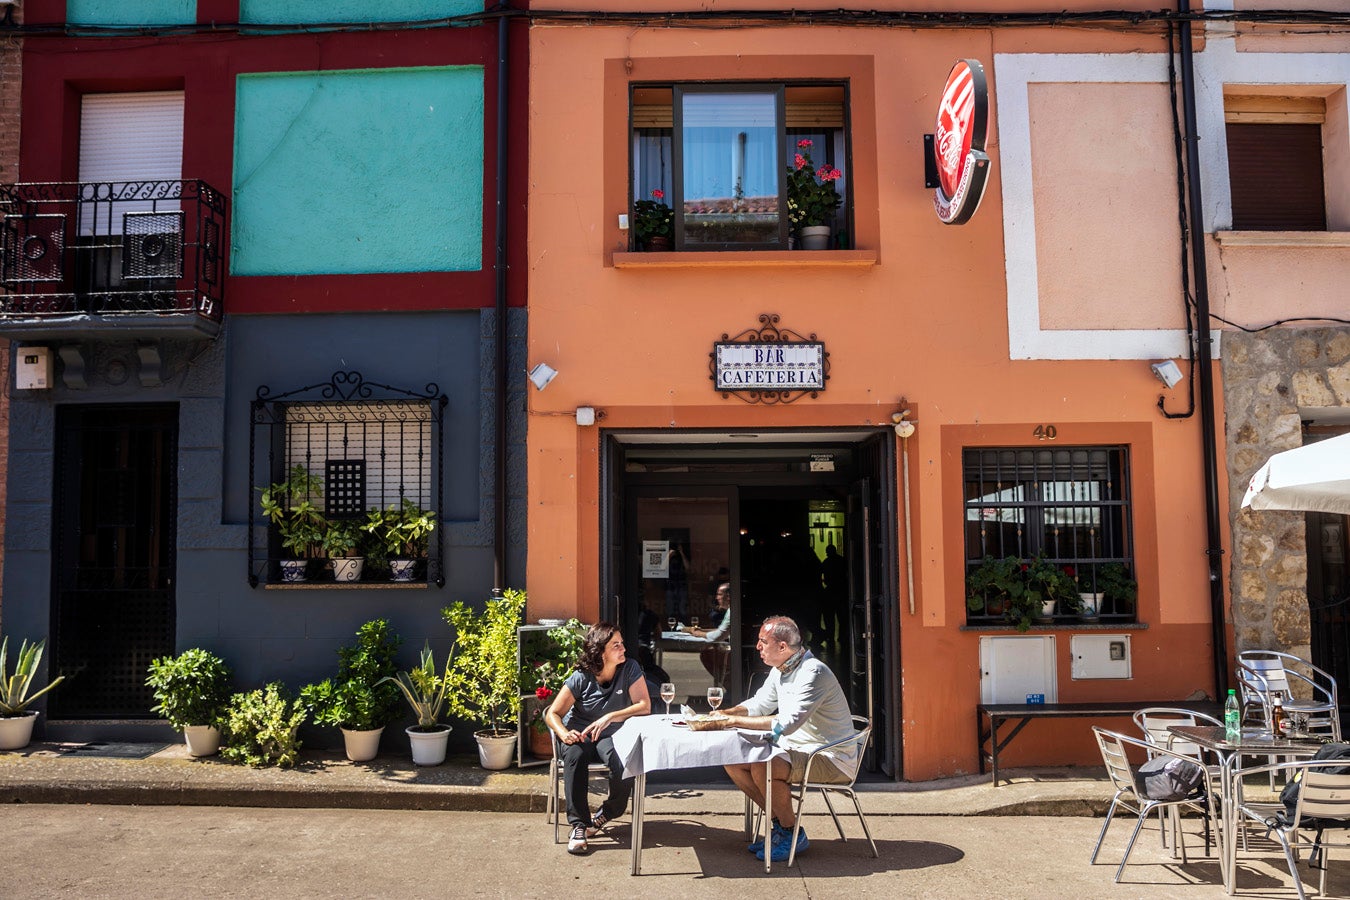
(1091, 604)
(816, 237)
(402, 569)
(17, 731)
(428, 747)
(362, 746)
(495, 751)
(348, 568)
(1047, 610)
(293, 570)
(202, 740)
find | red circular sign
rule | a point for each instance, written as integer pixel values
(963, 119)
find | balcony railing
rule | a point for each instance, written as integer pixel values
(139, 258)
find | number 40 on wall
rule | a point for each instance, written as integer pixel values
(1045, 432)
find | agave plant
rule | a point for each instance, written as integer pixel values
(424, 689)
(14, 696)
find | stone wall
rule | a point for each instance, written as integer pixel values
(1272, 380)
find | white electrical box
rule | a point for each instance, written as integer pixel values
(1100, 656)
(32, 368)
(1018, 669)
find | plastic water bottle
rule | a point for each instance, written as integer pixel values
(777, 733)
(1232, 717)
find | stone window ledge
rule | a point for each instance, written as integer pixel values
(1283, 238)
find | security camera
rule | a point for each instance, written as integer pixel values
(1167, 372)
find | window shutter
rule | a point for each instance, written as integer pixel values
(1275, 176)
(130, 137)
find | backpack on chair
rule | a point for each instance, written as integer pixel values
(1289, 797)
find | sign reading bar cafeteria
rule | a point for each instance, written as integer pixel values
(771, 367)
(769, 364)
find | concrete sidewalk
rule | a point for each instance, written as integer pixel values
(160, 774)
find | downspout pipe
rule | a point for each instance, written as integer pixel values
(1204, 357)
(501, 384)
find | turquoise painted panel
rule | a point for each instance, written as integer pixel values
(139, 12)
(358, 172)
(286, 12)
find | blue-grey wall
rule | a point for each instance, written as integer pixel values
(269, 634)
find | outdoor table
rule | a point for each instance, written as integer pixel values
(1251, 742)
(651, 743)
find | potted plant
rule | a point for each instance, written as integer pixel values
(1048, 587)
(653, 222)
(1117, 587)
(260, 727)
(548, 658)
(404, 533)
(192, 691)
(485, 677)
(425, 692)
(811, 198)
(16, 719)
(357, 700)
(993, 584)
(342, 540)
(298, 521)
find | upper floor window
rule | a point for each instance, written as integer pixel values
(1053, 522)
(719, 158)
(1275, 162)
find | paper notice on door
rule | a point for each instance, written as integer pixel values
(656, 559)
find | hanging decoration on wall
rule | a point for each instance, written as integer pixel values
(769, 364)
(962, 123)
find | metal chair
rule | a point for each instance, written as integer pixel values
(1323, 796)
(1154, 722)
(555, 780)
(1265, 674)
(1128, 795)
(799, 790)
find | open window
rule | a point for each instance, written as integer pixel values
(718, 155)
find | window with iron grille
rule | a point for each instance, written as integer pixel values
(1067, 506)
(363, 448)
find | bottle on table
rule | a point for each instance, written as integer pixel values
(1277, 722)
(1232, 717)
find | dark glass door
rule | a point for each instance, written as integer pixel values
(113, 563)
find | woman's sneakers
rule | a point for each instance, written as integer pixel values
(577, 843)
(782, 843)
(598, 822)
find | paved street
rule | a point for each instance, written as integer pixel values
(171, 852)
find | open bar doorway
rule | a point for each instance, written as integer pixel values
(796, 523)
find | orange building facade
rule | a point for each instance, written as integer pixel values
(1017, 345)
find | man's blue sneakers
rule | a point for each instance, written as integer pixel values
(782, 843)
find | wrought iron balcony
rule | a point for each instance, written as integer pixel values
(124, 259)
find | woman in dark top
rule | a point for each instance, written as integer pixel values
(606, 688)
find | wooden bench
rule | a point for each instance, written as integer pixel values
(998, 714)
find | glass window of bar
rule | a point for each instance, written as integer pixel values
(1068, 505)
(718, 154)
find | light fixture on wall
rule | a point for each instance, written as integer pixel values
(585, 416)
(541, 375)
(1168, 372)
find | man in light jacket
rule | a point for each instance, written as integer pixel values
(802, 703)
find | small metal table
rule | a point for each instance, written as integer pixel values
(1251, 742)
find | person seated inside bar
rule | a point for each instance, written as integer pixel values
(714, 657)
(802, 703)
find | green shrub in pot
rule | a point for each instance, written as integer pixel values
(192, 688)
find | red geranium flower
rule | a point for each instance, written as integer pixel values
(543, 693)
(658, 194)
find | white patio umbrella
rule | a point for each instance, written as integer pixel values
(1313, 478)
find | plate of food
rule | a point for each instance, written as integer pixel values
(708, 722)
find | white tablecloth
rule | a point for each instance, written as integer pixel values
(680, 637)
(650, 743)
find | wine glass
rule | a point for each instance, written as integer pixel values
(693, 621)
(715, 697)
(667, 694)
(671, 623)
